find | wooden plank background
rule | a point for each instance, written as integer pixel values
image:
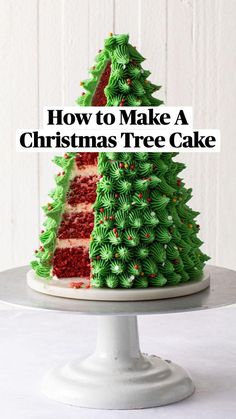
(46, 47)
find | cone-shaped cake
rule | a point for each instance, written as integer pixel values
(119, 219)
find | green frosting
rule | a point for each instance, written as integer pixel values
(53, 211)
(112, 281)
(151, 238)
(141, 282)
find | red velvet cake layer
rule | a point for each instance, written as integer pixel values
(82, 190)
(71, 262)
(99, 97)
(84, 159)
(76, 225)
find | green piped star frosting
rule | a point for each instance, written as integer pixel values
(152, 238)
(53, 212)
(152, 223)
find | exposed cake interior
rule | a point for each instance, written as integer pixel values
(71, 257)
(99, 97)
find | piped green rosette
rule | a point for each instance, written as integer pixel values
(53, 212)
(145, 234)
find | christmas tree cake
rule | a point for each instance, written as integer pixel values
(119, 220)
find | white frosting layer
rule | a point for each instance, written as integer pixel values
(70, 243)
(82, 207)
(88, 170)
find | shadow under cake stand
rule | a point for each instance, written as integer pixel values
(118, 375)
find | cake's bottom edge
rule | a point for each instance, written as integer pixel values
(63, 288)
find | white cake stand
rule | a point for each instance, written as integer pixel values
(117, 375)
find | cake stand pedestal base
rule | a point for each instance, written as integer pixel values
(117, 375)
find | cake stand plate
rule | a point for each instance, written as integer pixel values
(118, 375)
(61, 288)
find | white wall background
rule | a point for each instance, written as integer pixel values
(46, 47)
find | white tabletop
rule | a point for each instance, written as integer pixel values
(34, 341)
